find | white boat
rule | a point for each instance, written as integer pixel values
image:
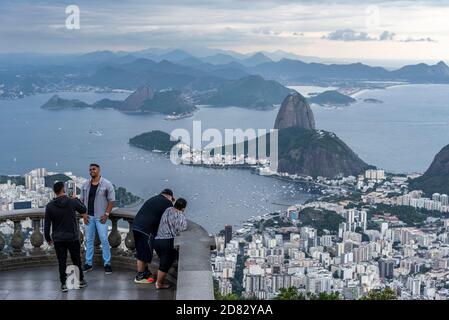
(178, 116)
(96, 133)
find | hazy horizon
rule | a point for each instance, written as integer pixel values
(387, 63)
(376, 31)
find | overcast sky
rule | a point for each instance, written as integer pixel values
(406, 30)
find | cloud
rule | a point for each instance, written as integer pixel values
(31, 25)
(351, 35)
(427, 39)
(387, 35)
(348, 35)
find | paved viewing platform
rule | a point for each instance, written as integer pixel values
(29, 272)
(42, 283)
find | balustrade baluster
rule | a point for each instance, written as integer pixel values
(115, 239)
(129, 240)
(37, 238)
(17, 240)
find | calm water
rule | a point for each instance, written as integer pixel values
(60, 141)
(401, 135)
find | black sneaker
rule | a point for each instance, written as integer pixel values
(143, 277)
(87, 268)
(107, 269)
(147, 273)
(64, 288)
(83, 284)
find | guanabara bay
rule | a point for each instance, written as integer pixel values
(224, 150)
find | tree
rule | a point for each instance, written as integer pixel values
(289, 294)
(350, 205)
(219, 296)
(329, 296)
(385, 294)
(230, 296)
(325, 296)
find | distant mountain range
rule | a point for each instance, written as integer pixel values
(26, 74)
(143, 100)
(295, 70)
(249, 92)
(292, 69)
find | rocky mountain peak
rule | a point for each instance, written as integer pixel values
(436, 178)
(136, 99)
(295, 112)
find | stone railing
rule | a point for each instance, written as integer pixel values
(191, 272)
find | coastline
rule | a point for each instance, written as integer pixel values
(317, 190)
(360, 91)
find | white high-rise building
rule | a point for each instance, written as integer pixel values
(444, 199)
(350, 216)
(340, 249)
(415, 194)
(279, 240)
(446, 223)
(255, 283)
(342, 228)
(404, 200)
(414, 285)
(319, 282)
(375, 174)
(429, 204)
(383, 228)
(363, 219)
(41, 172)
(279, 281)
(326, 241)
(436, 197)
(28, 182)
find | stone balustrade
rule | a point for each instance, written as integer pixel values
(194, 247)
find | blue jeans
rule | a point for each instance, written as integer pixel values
(94, 223)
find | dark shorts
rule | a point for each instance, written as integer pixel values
(166, 253)
(144, 246)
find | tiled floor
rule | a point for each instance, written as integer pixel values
(43, 284)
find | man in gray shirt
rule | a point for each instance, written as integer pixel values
(98, 195)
